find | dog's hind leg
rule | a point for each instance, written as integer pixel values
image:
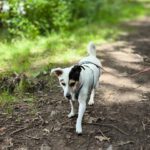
(91, 101)
(72, 112)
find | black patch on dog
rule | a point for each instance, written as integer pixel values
(75, 72)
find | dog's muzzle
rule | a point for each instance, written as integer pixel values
(68, 96)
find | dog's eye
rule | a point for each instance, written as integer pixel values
(63, 84)
(72, 84)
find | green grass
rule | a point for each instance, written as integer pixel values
(121, 10)
(32, 56)
(6, 98)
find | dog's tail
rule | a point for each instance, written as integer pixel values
(91, 49)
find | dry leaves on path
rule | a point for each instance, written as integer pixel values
(2, 130)
(102, 138)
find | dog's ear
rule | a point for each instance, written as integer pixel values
(75, 72)
(57, 71)
(77, 68)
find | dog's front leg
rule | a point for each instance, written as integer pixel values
(82, 107)
(72, 112)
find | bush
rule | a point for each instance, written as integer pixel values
(37, 17)
(34, 17)
(15, 22)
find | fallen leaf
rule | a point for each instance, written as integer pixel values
(53, 113)
(68, 136)
(46, 122)
(46, 130)
(2, 130)
(90, 119)
(8, 143)
(102, 138)
(57, 128)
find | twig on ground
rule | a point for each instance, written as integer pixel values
(109, 125)
(19, 130)
(42, 120)
(66, 121)
(102, 133)
(124, 143)
(141, 71)
(33, 137)
(143, 124)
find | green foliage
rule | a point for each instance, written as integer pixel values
(38, 17)
(33, 17)
(23, 85)
(16, 23)
(79, 22)
(20, 58)
(115, 11)
(6, 98)
(48, 15)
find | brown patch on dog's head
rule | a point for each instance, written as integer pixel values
(72, 83)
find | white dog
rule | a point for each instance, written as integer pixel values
(79, 83)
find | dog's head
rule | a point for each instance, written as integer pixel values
(69, 79)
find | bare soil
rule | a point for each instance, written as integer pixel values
(119, 119)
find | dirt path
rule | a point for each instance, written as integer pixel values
(119, 120)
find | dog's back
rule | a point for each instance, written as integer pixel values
(93, 63)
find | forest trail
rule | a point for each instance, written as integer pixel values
(119, 119)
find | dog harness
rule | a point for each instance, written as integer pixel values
(88, 62)
(84, 63)
(78, 91)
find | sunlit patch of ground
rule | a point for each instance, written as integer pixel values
(121, 61)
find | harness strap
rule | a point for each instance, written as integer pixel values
(78, 91)
(88, 62)
(84, 63)
(92, 74)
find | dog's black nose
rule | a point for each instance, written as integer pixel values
(68, 96)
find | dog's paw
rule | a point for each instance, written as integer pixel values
(78, 130)
(71, 115)
(91, 103)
